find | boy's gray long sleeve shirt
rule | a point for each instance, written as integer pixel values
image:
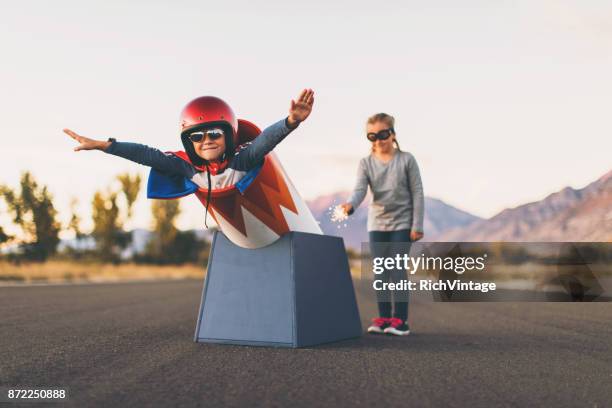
(397, 193)
(248, 156)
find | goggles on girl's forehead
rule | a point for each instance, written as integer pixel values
(200, 135)
(381, 135)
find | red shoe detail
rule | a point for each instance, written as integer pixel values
(380, 321)
(395, 322)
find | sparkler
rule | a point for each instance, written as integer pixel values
(338, 215)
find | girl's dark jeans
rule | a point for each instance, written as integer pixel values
(389, 244)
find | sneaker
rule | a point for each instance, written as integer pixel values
(397, 327)
(379, 325)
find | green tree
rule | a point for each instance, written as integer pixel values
(169, 245)
(130, 187)
(4, 237)
(188, 248)
(109, 220)
(107, 226)
(164, 214)
(33, 211)
(74, 224)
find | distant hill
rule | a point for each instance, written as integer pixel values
(439, 217)
(568, 215)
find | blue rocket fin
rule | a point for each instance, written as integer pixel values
(248, 179)
(161, 185)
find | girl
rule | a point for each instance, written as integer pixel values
(213, 157)
(395, 215)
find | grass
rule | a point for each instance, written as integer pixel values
(64, 271)
(61, 271)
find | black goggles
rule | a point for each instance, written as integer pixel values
(382, 135)
(199, 135)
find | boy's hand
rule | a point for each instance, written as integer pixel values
(86, 143)
(300, 108)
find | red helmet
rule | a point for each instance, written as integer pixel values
(208, 111)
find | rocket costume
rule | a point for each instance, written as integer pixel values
(248, 193)
(291, 292)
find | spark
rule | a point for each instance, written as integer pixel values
(338, 215)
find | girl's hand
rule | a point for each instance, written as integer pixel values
(347, 208)
(86, 143)
(415, 235)
(301, 108)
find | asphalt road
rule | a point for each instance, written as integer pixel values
(131, 344)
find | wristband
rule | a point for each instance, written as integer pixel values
(111, 140)
(287, 124)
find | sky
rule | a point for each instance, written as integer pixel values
(500, 102)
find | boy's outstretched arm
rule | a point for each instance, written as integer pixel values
(136, 152)
(86, 143)
(252, 154)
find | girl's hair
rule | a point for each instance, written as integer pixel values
(389, 121)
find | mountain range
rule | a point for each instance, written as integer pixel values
(583, 214)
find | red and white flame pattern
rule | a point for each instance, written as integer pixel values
(269, 208)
